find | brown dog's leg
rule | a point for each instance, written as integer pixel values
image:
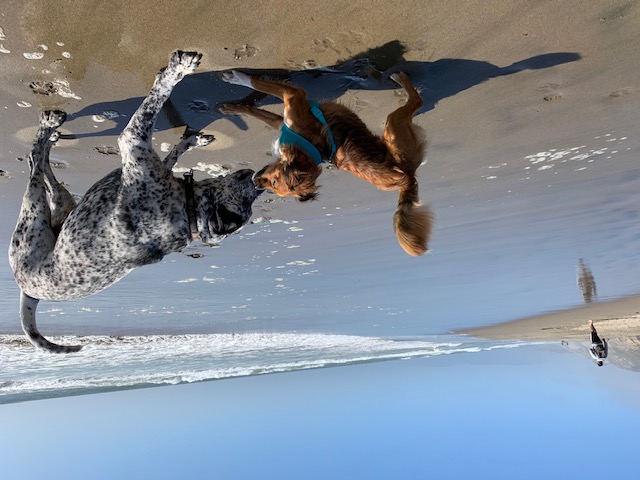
(405, 139)
(296, 105)
(272, 119)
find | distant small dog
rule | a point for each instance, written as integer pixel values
(311, 133)
(132, 217)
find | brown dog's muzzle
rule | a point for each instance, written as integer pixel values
(258, 181)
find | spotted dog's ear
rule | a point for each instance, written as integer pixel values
(227, 221)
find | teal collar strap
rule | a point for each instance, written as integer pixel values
(289, 137)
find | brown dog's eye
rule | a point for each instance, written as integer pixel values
(273, 182)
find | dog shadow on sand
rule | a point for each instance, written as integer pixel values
(195, 100)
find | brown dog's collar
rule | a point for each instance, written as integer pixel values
(191, 206)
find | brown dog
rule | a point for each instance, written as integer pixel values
(312, 133)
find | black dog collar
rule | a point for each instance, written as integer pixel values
(191, 206)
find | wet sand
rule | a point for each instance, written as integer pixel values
(616, 318)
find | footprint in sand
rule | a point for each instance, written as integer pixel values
(112, 114)
(304, 65)
(552, 97)
(551, 92)
(58, 164)
(623, 92)
(107, 150)
(56, 87)
(245, 51)
(198, 106)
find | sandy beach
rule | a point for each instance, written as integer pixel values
(615, 318)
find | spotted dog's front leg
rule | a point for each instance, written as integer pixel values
(189, 140)
(61, 202)
(135, 140)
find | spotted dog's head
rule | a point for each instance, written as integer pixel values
(225, 204)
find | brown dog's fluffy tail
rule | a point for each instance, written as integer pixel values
(412, 222)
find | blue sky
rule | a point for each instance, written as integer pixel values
(503, 413)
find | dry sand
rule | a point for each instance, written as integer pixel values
(616, 318)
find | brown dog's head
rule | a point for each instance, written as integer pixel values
(292, 175)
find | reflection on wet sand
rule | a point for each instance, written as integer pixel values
(624, 352)
(614, 319)
(586, 282)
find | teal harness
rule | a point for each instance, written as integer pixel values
(289, 137)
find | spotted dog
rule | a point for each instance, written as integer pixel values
(132, 217)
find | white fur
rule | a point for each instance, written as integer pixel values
(235, 77)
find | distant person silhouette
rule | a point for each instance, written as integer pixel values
(599, 348)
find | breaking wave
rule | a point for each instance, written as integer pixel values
(112, 363)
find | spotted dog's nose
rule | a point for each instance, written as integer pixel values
(245, 176)
(258, 181)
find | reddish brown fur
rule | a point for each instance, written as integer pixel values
(389, 161)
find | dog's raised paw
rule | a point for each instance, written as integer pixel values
(184, 63)
(235, 77)
(203, 140)
(52, 118)
(55, 136)
(195, 138)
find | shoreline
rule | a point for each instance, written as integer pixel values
(612, 318)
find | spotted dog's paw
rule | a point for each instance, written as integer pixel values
(183, 63)
(203, 140)
(195, 138)
(55, 136)
(52, 118)
(235, 77)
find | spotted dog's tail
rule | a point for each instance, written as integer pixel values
(28, 307)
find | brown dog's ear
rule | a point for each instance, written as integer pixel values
(307, 197)
(300, 173)
(301, 179)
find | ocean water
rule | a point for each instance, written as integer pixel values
(108, 363)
